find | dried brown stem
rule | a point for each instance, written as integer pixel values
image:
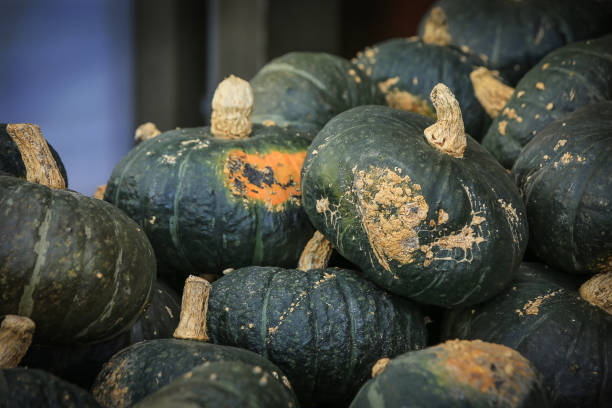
(232, 106)
(436, 28)
(194, 307)
(380, 366)
(490, 91)
(16, 334)
(598, 291)
(146, 131)
(448, 133)
(316, 254)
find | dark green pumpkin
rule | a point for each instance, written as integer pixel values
(542, 316)
(406, 69)
(419, 222)
(21, 388)
(514, 35)
(77, 266)
(565, 175)
(455, 374)
(323, 327)
(223, 384)
(10, 157)
(303, 90)
(565, 80)
(145, 367)
(81, 363)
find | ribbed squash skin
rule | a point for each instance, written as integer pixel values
(208, 204)
(20, 388)
(81, 363)
(11, 161)
(77, 266)
(563, 81)
(542, 316)
(565, 177)
(223, 384)
(515, 35)
(405, 68)
(304, 90)
(456, 374)
(418, 222)
(324, 327)
(145, 367)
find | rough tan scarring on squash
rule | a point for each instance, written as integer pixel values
(501, 126)
(146, 131)
(16, 334)
(532, 307)
(380, 366)
(232, 106)
(513, 219)
(598, 291)
(490, 91)
(316, 253)
(194, 307)
(448, 133)
(436, 28)
(40, 165)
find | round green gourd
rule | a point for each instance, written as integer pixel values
(303, 90)
(455, 374)
(564, 175)
(211, 202)
(323, 327)
(563, 81)
(406, 69)
(440, 222)
(542, 316)
(514, 35)
(77, 266)
(223, 384)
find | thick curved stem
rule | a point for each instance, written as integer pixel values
(232, 106)
(146, 131)
(16, 334)
(194, 307)
(598, 291)
(316, 254)
(448, 133)
(490, 91)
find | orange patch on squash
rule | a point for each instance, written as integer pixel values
(273, 178)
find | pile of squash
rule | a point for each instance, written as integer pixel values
(426, 225)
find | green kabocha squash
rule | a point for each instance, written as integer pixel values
(213, 198)
(563, 81)
(406, 69)
(514, 35)
(304, 90)
(421, 208)
(11, 159)
(223, 384)
(565, 175)
(145, 367)
(81, 363)
(542, 316)
(454, 374)
(77, 266)
(323, 327)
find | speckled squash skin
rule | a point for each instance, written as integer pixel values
(208, 203)
(81, 363)
(515, 35)
(450, 231)
(223, 384)
(563, 81)
(323, 327)
(565, 175)
(456, 374)
(303, 90)
(408, 68)
(20, 387)
(542, 316)
(145, 367)
(77, 266)
(11, 161)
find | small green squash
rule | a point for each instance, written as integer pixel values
(213, 198)
(77, 266)
(542, 316)
(303, 90)
(563, 81)
(223, 384)
(423, 209)
(514, 35)
(565, 175)
(457, 373)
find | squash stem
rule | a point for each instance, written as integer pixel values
(16, 334)
(436, 28)
(490, 91)
(598, 291)
(232, 106)
(448, 133)
(316, 254)
(194, 307)
(40, 165)
(146, 131)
